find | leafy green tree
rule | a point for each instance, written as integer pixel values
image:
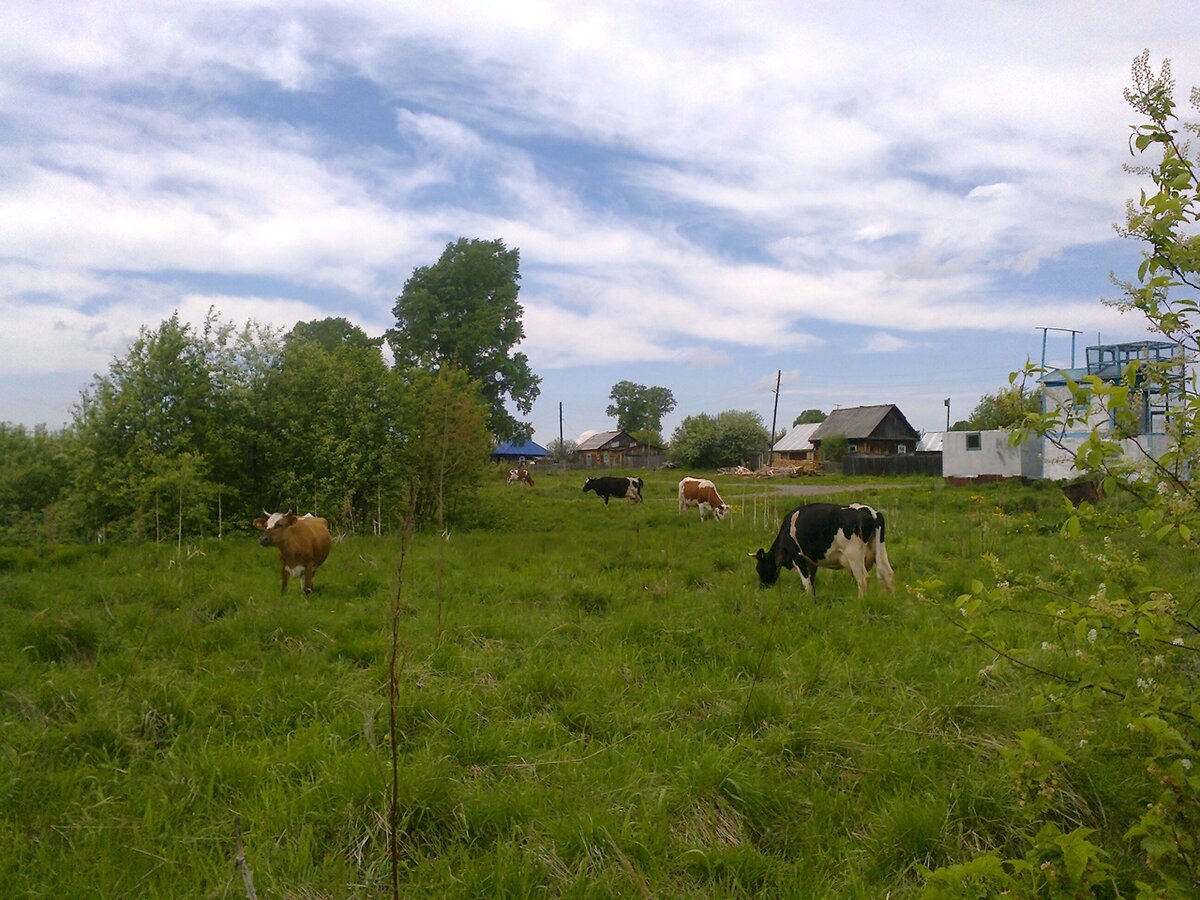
(448, 442)
(1133, 633)
(35, 468)
(638, 408)
(1007, 408)
(728, 439)
(809, 417)
(332, 333)
(155, 402)
(328, 422)
(462, 313)
(562, 450)
(834, 447)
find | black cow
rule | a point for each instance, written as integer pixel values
(615, 486)
(829, 536)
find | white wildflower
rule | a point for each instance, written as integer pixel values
(1092, 635)
(1178, 642)
(1046, 645)
(1186, 763)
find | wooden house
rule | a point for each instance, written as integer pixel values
(870, 430)
(605, 449)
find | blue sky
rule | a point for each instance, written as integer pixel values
(882, 201)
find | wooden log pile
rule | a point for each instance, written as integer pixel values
(798, 469)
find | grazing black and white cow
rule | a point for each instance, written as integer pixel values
(828, 536)
(615, 486)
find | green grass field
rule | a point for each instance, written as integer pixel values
(594, 702)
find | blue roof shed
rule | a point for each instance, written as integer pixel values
(515, 450)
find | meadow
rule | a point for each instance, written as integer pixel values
(593, 701)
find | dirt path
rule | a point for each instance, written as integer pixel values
(815, 490)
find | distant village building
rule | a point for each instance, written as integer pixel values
(796, 445)
(516, 451)
(991, 454)
(931, 442)
(605, 449)
(870, 430)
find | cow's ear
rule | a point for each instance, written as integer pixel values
(260, 523)
(288, 521)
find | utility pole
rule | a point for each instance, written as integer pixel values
(947, 402)
(774, 415)
(562, 448)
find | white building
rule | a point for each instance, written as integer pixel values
(974, 454)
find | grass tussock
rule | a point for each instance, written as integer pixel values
(596, 701)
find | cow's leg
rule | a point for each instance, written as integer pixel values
(284, 575)
(883, 568)
(858, 568)
(810, 584)
(309, 571)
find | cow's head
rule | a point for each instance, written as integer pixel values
(587, 485)
(720, 509)
(273, 526)
(768, 571)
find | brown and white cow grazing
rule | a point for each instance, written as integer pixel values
(303, 543)
(828, 536)
(519, 475)
(702, 493)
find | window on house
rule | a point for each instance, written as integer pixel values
(974, 441)
(852, 448)
(901, 449)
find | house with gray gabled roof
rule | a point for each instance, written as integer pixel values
(875, 430)
(613, 448)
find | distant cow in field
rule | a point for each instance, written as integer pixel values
(824, 535)
(1091, 491)
(303, 543)
(615, 486)
(702, 493)
(519, 475)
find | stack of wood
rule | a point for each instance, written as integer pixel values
(797, 469)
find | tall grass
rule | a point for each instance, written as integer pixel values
(609, 704)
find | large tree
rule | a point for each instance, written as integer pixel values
(1007, 408)
(727, 439)
(462, 313)
(809, 417)
(639, 408)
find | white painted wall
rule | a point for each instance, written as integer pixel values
(1035, 458)
(995, 456)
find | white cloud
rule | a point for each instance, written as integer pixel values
(882, 342)
(686, 183)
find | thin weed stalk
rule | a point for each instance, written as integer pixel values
(395, 665)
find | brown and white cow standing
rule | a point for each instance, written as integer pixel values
(519, 475)
(303, 543)
(702, 493)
